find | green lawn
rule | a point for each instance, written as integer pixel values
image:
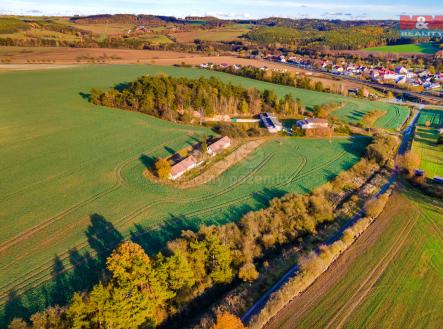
(420, 48)
(408, 293)
(72, 185)
(425, 142)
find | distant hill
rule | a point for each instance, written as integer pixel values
(150, 20)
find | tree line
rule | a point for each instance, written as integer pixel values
(281, 78)
(142, 291)
(182, 99)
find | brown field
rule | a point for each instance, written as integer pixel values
(62, 56)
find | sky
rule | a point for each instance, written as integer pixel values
(241, 9)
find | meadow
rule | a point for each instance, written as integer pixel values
(226, 33)
(425, 142)
(72, 184)
(392, 278)
(419, 48)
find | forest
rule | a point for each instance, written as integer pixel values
(182, 99)
(337, 39)
(141, 290)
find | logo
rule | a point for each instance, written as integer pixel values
(421, 26)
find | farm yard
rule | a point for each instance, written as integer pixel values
(420, 48)
(72, 178)
(391, 277)
(425, 142)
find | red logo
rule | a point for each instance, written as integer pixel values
(424, 22)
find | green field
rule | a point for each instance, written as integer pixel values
(353, 110)
(420, 48)
(395, 283)
(72, 183)
(425, 142)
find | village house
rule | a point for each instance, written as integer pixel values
(312, 123)
(183, 166)
(219, 145)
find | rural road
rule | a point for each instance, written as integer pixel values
(261, 302)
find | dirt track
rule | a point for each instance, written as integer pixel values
(302, 304)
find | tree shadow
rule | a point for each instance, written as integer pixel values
(85, 96)
(14, 308)
(103, 237)
(267, 194)
(121, 86)
(147, 161)
(169, 150)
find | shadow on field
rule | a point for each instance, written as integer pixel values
(85, 96)
(74, 271)
(147, 161)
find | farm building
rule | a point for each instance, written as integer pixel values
(313, 123)
(183, 166)
(219, 145)
(271, 122)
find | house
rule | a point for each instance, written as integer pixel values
(271, 122)
(337, 69)
(183, 166)
(312, 123)
(401, 70)
(219, 145)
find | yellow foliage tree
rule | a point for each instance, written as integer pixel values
(228, 321)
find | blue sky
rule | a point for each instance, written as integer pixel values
(342, 9)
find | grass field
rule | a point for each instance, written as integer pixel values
(425, 142)
(353, 110)
(391, 278)
(226, 33)
(72, 183)
(420, 48)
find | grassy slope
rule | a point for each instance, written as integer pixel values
(424, 144)
(72, 177)
(421, 48)
(409, 293)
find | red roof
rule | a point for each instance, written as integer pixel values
(220, 144)
(183, 165)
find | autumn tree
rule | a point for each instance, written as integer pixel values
(228, 321)
(163, 168)
(409, 162)
(248, 272)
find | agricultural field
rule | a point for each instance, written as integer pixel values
(353, 111)
(425, 142)
(225, 33)
(73, 186)
(420, 48)
(392, 277)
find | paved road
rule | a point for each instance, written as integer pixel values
(260, 303)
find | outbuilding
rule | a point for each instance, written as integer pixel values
(219, 145)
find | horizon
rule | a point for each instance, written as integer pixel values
(244, 9)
